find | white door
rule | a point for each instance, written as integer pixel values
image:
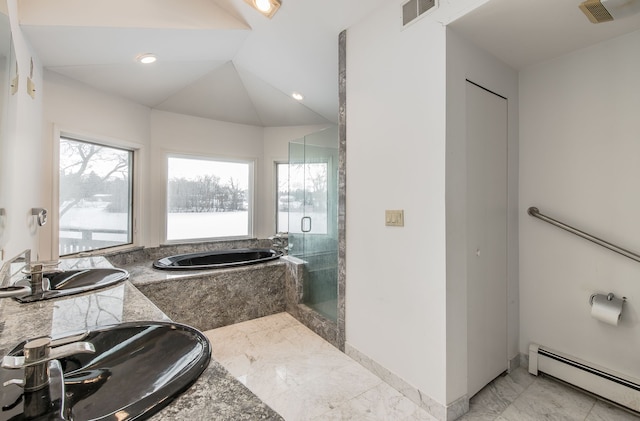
(486, 237)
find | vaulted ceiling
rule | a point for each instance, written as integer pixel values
(220, 59)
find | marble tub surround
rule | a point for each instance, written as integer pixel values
(143, 254)
(213, 298)
(208, 299)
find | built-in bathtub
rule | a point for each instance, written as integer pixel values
(216, 259)
(209, 299)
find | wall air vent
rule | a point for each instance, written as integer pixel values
(414, 8)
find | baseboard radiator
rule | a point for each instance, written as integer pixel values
(615, 387)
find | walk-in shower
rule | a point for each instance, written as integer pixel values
(313, 217)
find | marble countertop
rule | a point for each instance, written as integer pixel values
(215, 395)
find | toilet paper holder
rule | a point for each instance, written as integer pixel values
(610, 297)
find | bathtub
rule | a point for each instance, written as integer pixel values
(216, 259)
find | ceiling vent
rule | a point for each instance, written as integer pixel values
(599, 11)
(414, 8)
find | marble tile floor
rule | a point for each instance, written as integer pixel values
(304, 378)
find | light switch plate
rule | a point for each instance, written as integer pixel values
(394, 218)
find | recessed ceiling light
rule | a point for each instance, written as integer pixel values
(266, 7)
(146, 58)
(297, 96)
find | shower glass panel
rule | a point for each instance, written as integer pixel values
(313, 217)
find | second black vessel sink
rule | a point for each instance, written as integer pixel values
(137, 369)
(72, 282)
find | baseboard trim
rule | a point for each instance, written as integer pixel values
(439, 411)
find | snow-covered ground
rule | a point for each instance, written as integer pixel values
(207, 225)
(180, 225)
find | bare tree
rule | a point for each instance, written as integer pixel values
(83, 164)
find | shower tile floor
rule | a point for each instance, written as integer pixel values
(303, 377)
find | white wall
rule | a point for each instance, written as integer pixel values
(396, 277)
(580, 163)
(467, 62)
(22, 158)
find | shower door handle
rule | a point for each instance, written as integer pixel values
(303, 225)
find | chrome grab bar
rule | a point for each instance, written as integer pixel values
(533, 211)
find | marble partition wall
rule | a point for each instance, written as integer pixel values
(294, 281)
(342, 186)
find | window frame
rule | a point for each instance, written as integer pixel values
(276, 165)
(136, 191)
(251, 194)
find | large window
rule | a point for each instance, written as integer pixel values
(95, 196)
(208, 198)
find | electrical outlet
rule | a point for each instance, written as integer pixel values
(394, 218)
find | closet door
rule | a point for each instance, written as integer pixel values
(486, 236)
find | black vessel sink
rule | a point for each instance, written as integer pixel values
(138, 369)
(72, 282)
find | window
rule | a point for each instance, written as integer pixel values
(208, 198)
(95, 196)
(302, 197)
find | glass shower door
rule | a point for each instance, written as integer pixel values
(313, 217)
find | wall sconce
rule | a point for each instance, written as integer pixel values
(267, 7)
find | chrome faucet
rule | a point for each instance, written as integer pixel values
(34, 284)
(43, 380)
(37, 354)
(9, 288)
(36, 280)
(280, 242)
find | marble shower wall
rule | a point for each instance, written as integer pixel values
(294, 293)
